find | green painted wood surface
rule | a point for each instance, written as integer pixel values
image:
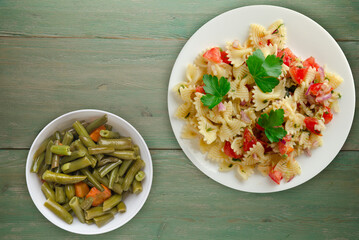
(55, 56)
(185, 204)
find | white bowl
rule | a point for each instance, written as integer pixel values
(133, 202)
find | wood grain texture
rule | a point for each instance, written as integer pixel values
(186, 204)
(153, 18)
(42, 79)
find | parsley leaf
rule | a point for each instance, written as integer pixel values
(215, 90)
(265, 71)
(272, 125)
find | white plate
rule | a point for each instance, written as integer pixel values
(133, 202)
(305, 38)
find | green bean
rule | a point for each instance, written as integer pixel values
(60, 196)
(111, 202)
(124, 154)
(89, 222)
(108, 127)
(61, 150)
(139, 163)
(76, 165)
(81, 147)
(94, 212)
(117, 188)
(118, 144)
(140, 176)
(92, 179)
(75, 206)
(68, 137)
(102, 220)
(136, 186)
(87, 141)
(137, 150)
(86, 204)
(47, 190)
(74, 155)
(41, 148)
(96, 123)
(43, 168)
(100, 149)
(57, 135)
(106, 160)
(73, 131)
(55, 158)
(109, 167)
(67, 207)
(90, 184)
(124, 166)
(79, 128)
(119, 180)
(61, 178)
(72, 146)
(37, 163)
(48, 154)
(69, 191)
(109, 134)
(59, 210)
(57, 170)
(112, 178)
(121, 207)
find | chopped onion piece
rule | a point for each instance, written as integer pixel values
(221, 107)
(321, 73)
(245, 117)
(323, 98)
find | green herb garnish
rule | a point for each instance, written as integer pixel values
(265, 71)
(272, 125)
(215, 90)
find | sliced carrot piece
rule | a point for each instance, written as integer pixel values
(95, 135)
(81, 189)
(98, 196)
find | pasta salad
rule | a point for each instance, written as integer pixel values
(256, 105)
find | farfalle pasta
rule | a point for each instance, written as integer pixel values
(249, 127)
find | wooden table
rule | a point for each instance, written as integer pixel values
(59, 56)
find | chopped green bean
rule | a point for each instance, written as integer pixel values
(47, 190)
(67, 207)
(81, 147)
(75, 206)
(69, 191)
(94, 212)
(109, 167)
(55, 158)
(42, 169)
(79, 128)
(137, 150)
(87, 141)
(57, 136)
(121, 207)
(124, 154)
(76, 165)
(61, 178)
(140, 175)
(111, 202)
(60, 196)
(68, 137)
(136, 186)
(37, 163)
(117, 188)
(74, 155)
(48, 154)
(41, 148)
(119, 179)
(107, 160)
(102, 220)
(92, 179)
(109, 134)
(124, 166)
(86, 204)
(118, 144)
(139, 163)
(108, 127)
(96, 123)
(89, 222)
(100, 149)
(61, 150)
(59, 210)
(112, 178)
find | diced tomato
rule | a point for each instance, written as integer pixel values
(287, 138)
(200, 89)
(268, 42)
(310, 122)
(224, 57)
(276, 176)
(298, 74)
(249, 140)
(265, 145)
(327, 115)
(288, 58)
(284, 148)
(213, 54)
(310, 62)
(315, 88)
(229, 151)
(259, 127)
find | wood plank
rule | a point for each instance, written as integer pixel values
(153, 19)
(45, 78)
(184, 202)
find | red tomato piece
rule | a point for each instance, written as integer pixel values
(310, 62)
(259, 127)
(284, 149)
(310, 122)
(213, 54)
(276, 176)
(287, 138)
(327, 115)
(229, 151)
(249, 140)
(315, 88)
(224, 57)
(298, 74)
(200, 89)
(288, 58)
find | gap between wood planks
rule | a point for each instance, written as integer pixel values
(20, 35)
